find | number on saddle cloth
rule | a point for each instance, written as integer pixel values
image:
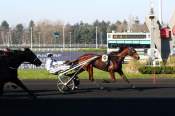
(104, 58)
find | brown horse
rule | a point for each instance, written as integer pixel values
(114, 63)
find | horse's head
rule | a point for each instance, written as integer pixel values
(127, 51)
(31, 57)
(133, 53)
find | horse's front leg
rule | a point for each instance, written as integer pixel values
(125, 78)
(112, 75)
(20, 84)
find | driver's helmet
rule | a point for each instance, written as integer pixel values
(7, 49)
(49, 54)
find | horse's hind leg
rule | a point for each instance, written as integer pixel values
(91, 76)
(91, 73)
(20, 84)
(89, 69)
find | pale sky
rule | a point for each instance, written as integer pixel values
(73, 11)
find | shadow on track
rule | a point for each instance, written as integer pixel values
(111, 89)
(92, 91)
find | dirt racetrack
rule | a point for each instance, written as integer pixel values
(116, 98)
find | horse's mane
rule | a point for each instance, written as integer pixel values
(90, 54)
(12, 53)
(120, 50)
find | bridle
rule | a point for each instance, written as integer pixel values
(35, 59)
(130, 52)
(133, 53)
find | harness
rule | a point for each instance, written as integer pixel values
(14, 68)
(106, 58)
(109, 60)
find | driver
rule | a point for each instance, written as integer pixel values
(5, 52)
(53, 66)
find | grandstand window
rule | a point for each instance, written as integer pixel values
(129, 36)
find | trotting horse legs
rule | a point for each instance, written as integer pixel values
(91, 77)
(124, 78)
(112, 75)
(90, 72)
(20, 84)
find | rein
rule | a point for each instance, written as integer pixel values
(13, 68)
(35, 59)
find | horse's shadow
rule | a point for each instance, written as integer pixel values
(100, 87)
(112, 89)
(135, 89)
(21, 94)
(81, 90)
(45, 92)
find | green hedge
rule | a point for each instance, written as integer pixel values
(157, 70)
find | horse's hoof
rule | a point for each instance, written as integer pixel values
(101, 88)
(92, 80)
(106, 81)
(133, 86)
(114, 81)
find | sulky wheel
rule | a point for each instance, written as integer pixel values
(63, 85)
